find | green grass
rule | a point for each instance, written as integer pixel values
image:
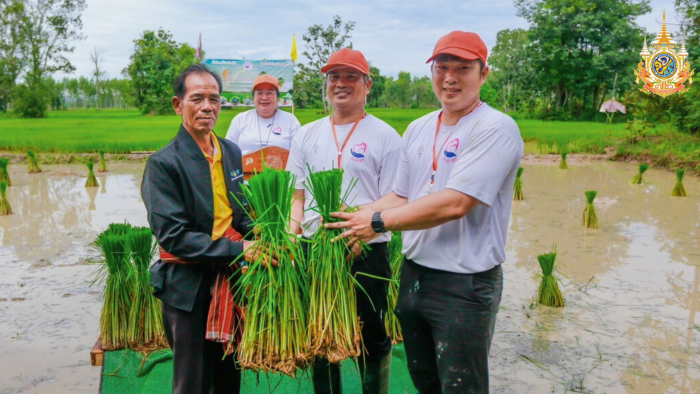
(120, 131)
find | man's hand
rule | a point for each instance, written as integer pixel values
(359, 225)
(252, 251)
(355, 251)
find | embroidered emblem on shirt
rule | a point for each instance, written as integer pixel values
(451, 151)
(358, 152)
(237, 174)
(277, 131)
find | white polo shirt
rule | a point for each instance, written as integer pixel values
(371, 156)
(479, 157)
(251, 132)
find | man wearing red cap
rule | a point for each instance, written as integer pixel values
(452, 197)
(368, 151)
(266, 125)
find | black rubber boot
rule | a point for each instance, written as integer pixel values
(375, 375)
(326, 377)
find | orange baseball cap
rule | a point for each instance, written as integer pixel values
(465, 45)
(347, 57)
(266, 78)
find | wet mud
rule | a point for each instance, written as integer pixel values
(632, 287)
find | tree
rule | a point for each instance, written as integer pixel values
(155, 64)
(321, 42)
(378, 86)
(509, 57)
(12, 45)
(48, 26)
(98, 72)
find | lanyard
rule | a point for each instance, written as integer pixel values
(335, 136)
(435, 154)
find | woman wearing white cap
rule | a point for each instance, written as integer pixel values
(266, 125)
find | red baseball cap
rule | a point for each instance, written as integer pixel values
(347, 57)
(266, 78)
(465, 45)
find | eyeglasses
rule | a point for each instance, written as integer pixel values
(350, 77)
(265, 93)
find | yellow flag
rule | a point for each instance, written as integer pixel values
(294, 48)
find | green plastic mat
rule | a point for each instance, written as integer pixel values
(126, 372)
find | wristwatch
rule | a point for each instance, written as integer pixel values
(378, 223)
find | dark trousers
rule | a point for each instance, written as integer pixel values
(199, 366)
(372, 306)
(447, 321)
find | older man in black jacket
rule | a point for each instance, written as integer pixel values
(190, 189)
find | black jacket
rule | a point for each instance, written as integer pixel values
(177, 191)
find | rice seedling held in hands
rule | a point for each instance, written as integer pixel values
(549, 293)
(103, 162)
(4, 174)
(518, 186)
(5, 208)
(91, 180)
(117, 275)
(146, 330)
(590, 219)
(334, 327)
(32, 162)
(396, 259)
(678, 189)
(562, 164)
(275, 332)
(638, 180)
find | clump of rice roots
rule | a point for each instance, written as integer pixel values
(638, 180)
(32, 162)
(590, 219)
(518, 185)
(91, 180)
(678, 189)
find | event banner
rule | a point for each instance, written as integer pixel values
(238, 76)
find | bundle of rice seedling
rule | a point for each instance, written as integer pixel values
(638, 180)
(275, 333)
(396, 259)
(590, 219)
(103, 162)
(678, 189)
(91, 180)
(549, 293)
(562, 164)
(145, 318)
(117, 275)
(5, 208)
(518, 186)
(4, 174)
(334, 327)
(32, 163)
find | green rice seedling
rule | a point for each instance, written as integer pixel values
(549, 293)
(562, 164)
(91, 180)
(678, 189)
(275, 332)
(103, 162)
(334, 327)
(117, 275)
(396, 259)
(590, 219)
(4, 174)
(5, 208)
(32, 162)
(518, 185)
(145, 318)
(638, 180)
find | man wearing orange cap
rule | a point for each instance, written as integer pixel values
(368, 150)
(452, 197)
(266, 125)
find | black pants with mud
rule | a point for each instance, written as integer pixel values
(447, 321)
(199, 366)
(372, 306)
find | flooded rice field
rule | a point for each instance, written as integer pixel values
(632, 287)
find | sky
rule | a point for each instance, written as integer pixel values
(394, 35)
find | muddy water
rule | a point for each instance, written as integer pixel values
(632, 287)
(48, 312)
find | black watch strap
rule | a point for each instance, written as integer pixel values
(378, 223)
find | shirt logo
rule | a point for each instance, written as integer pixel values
(237, 174)
(451, 151)
(277, 131)
(358, 152)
